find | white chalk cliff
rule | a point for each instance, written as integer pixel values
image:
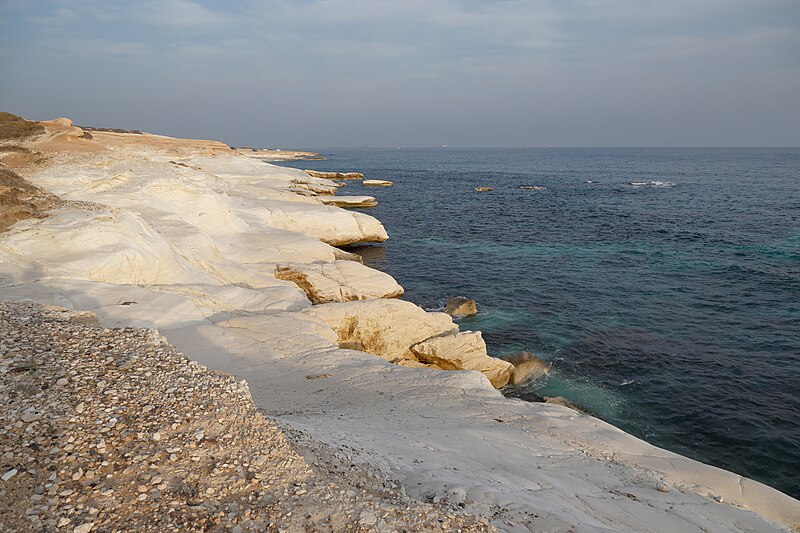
(234, 261)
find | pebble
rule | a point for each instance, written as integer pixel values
(99, 459)
(368, 518)
(31, 415)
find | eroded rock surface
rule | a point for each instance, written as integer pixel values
(339, 281)
(386, 328)
(189, 236)
(335, 175)
(463, 350)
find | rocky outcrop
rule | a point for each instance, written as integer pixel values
(20, 200)
(463, 350)
(349, 201)
(460, 306)
(335, 175)
(194, 255)
(266, 154)
(339, 281)
(386, 328)
(16, 128)
(316, 186)
(377, 183)
(527, 366)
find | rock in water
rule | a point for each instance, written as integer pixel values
(527, 366)
(377, 183)
(484, 189)
(560, 400)
(460, 306)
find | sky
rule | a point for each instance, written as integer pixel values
(324, 73)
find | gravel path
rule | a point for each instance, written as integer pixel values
(113, 429)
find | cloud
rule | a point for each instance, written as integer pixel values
(613, 70)
(181, 14)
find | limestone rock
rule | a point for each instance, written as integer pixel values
(460, 306)
(377, 183)
(339, 281)
(463, 350)
(527, 366)
(318, 186)
(386, 328)
(335, 175)
(349, 201)
(411, 363)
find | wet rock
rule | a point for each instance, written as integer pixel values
(527, 366)
(460, 306)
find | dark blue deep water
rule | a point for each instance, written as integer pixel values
(671, 311)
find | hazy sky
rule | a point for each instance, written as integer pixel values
(318, 73)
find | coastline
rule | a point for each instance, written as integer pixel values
(189, 229)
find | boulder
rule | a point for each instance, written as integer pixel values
(463, 350)
(527, 366)
(386, 328)
(484, 189)
(460, 306)
(377, 183)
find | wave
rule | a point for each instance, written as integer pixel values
(651, 183)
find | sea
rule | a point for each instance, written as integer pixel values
(662, 283)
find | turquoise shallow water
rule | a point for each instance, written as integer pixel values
(670, 309)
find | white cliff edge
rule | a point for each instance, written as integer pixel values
(225, 255)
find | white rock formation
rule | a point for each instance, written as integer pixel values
(463, 350)
(386, 328)
(377, 183)
(188, 240)
(335, 175)
(349, 201)
(339, 281)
